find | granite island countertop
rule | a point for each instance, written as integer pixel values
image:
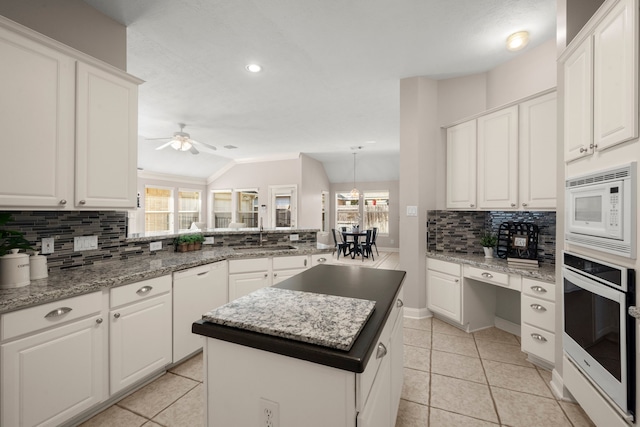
(77, 281)
(381, 286)
(545, 272)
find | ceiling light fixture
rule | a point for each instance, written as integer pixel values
(253, 68)
(517, 41)
(354, 191)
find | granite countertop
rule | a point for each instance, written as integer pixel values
(381, 286)
(545, 272)
(320, 319)
(67, 283)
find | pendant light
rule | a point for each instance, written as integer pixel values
(354, 192)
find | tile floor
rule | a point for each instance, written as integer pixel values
(451, 378)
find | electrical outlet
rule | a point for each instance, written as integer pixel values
(48, 246)
(155, 246)
(208, 240)
(269, 413)
(294, 237)
(85, 243)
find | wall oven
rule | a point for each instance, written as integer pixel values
(599, 335)
(601, 210)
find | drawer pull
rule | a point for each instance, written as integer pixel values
(144, 290)
(539, 289)
(266, 275)
(58, 312)
(538, 307)
(275, 274)
(487, 275)
(382, 351)
(538, 337)
(202, 273)
(116, 315)
(323, 259)
(399, 303)
(305, 262)
(99, 320)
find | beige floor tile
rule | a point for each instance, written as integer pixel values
(576, 414)
(187, 411)
(416, 386)
(462, 397)
(411, 414)
(514, 377)
(525, 410)
(500, 352)
(496, 335)
(444, 328)
(151, 424)
(417, 358)
(191, 368)
(417, 338)
(454, 344)
(115, 416)
(440, 418)
(423, 324)
(158, 395)
(457, 366)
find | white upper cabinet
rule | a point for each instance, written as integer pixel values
(537, 152)
(72, 124)
(498, 159)
(461, 166)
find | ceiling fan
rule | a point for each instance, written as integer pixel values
(181, 141)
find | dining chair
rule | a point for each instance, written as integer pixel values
(373, 239)
(365, 247)
(340, 246)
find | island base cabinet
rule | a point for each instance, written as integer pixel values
(377, 411)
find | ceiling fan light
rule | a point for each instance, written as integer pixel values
(180, 144)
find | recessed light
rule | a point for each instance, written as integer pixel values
(517, 41)
(371, 142)
(254, 68)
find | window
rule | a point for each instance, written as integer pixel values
(158, 209)
(347, 210)
(222, 208)
(188, 208)
(247, 208)
(376, 211)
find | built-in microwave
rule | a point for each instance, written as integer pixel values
(601, 210)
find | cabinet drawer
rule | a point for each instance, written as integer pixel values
(538, 312)
(139, 290)
(365, 380)
(538, 289)
(288, 262)
(248, 265)
(317, 259)
(42, 316)
(493, 277)
(443, 266)
(538, 342)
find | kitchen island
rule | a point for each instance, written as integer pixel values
(249, 374)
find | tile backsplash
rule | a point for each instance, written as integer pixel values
(460, 231)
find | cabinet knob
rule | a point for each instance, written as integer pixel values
(538, 307)
(63, 202)
(471, 205)
(583, 150)
(381, 352)
(82, 202)
(305, 262)
(457, 280)
(538, 337)
(99, 320)
(524, 205)
(116, 315)
(266, 275)
(323, 259)
(399, 303)
(513, 205)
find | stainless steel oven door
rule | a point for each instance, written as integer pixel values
(595, 334)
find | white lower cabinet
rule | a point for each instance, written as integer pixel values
(444, 289)
(538, 311)
(53, 361)
(140, 331)
(248, 275)
(288, 266)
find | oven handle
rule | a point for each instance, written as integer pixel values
(594, 287)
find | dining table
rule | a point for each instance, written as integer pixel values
(354, 249)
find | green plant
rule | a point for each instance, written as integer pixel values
(11, 239)
(488, 239)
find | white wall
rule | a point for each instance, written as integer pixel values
(74, 23)
(314, 181)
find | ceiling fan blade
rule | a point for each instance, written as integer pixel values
(193, 149)
(211, 147)
(164, 145)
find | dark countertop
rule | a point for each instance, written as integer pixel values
(381, 286)
(68, 283)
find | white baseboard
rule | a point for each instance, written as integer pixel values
(416, 313)
(505, 325)
(557, 387)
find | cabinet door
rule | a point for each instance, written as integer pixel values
(578, 102)
(444, 295)
(377, 411)
(245, 283)
(139, 340)
(461, 166)
(537, 152)
(498, 159)
(280, 275)
(106, 139)
(615, 74)
(52, 376)
(36, 118)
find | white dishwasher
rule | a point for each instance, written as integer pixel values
(195, 291)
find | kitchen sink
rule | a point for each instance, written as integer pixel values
(264, 248)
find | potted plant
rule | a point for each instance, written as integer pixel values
(197, 241)
(181, 243)
(11, 239)
(488, 241)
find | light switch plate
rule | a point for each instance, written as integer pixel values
(85, 243)
(412, 211)
(294, 237)
(155, 246)
(48, 245)
(208, 240)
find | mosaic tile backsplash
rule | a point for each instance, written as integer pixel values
(460, 231)
(111, 229)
